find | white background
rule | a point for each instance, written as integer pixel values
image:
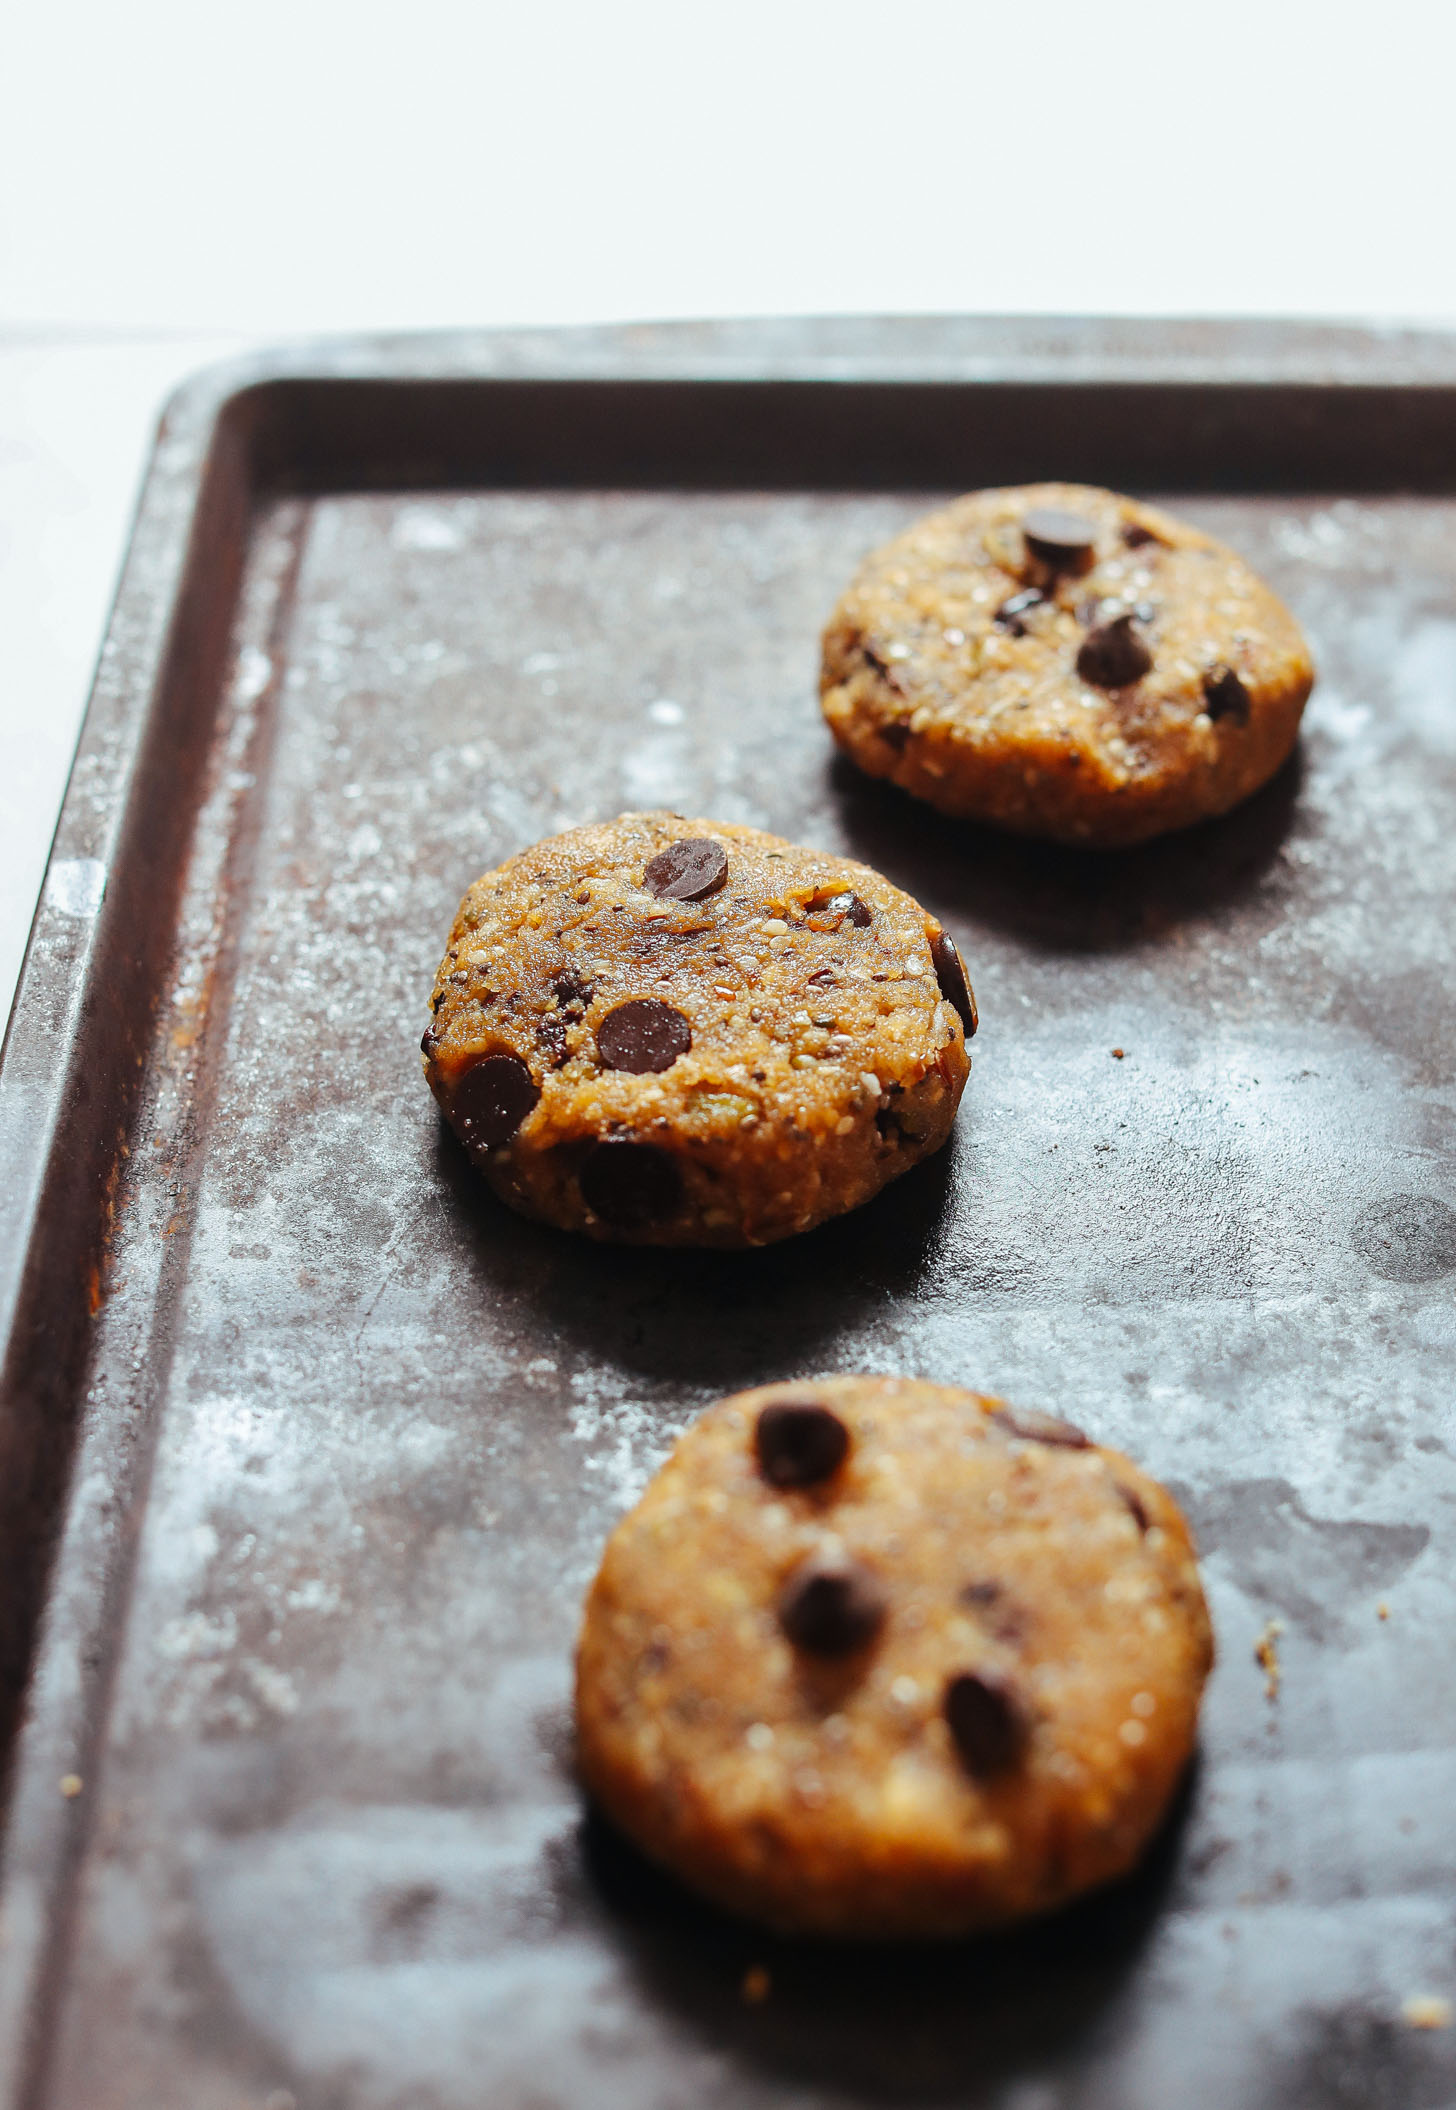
(179, 181)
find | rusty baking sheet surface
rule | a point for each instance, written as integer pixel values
(309, 1449)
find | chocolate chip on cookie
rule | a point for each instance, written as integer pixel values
(631, 1186)
(831, 1606)
(491, 1098)
(688, 870)
(799, 1442)
(1113, 656)
(643, 1035)
(1061, 539)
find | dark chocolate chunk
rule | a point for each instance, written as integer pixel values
(1009, 615)
(551, 1036)
(831, 1606)
(571, 989)
(850, 906)
(1113, 656)
(986, 1720)
(643, 1035)
(689, 870)
(1224, 695)
(1033, 1427)
(1137, 537)
(896, 734)
(799, 1442)
(951, 974)
(429, 1041)
(630, 1185)
(492, 1099)
(1063, 540)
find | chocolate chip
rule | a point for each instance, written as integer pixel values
(492, 1099)
(980, 1594)
(850, 906)
(429, 1041)
(1063, 540)
(571, 989)
(896, 734)
(689, 870)
(1033, 1427)
(1224, 695)
(551, 1034)
(1113, 656)
(1135, 1503)
(1137, 537)
(643, 1035)
(831, 1606)
(799, 1442)
(630, 1185)
(951, 974)
(986, 1720)
(1008, 615)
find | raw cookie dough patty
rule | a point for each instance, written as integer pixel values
(680, 1032)
(1064, 662)
(873, 1657)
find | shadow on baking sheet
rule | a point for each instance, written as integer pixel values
(1059, 899)
(652, 1309)
(884, 2023)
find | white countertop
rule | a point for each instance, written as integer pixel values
(177, 184)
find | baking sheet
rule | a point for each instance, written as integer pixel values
(350, 1436)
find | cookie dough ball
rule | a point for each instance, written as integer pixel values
(681, 1032)
(1064, 662)
(875, 1658)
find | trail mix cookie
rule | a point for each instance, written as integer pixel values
(873, 1657)
(681, 1032)
(1064, 662)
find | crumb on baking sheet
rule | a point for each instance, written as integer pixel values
(71, 1785)
(1382, 1610)
(1266, 1655)
(1426, 2011)
(1118, 1054)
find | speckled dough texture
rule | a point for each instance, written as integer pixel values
(828, 1794)
(722, 1070)
(951, 667)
